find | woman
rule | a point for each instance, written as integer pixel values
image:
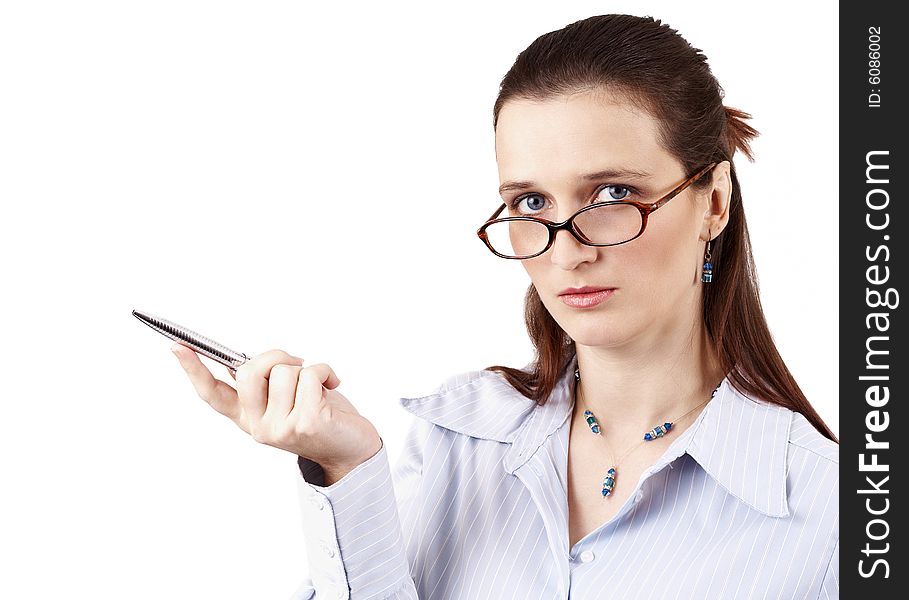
(657, 445)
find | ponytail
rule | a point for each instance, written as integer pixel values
(739, 133)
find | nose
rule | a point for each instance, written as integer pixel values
(567, 251)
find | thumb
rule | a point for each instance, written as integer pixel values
(333, 381)
(326, 375)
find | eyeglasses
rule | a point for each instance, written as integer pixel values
(601, 224)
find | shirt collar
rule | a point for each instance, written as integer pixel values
(740, 442)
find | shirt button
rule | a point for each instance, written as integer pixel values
(639, 496)
(317, 503)
(340, 593)
(587, 556)
(327, 550)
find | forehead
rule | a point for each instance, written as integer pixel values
(573, 134)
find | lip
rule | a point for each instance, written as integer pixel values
(586, 300)
(584, 290)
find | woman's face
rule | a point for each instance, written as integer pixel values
(553, 144)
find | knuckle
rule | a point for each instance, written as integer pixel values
(304, 428)
(289, 356)
(259, 433)
(282, 370)
(284, 433)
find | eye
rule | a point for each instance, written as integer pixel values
(535, 202)
(617, 192)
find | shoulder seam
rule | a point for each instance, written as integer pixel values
(813, 451)
(471, 376)
(796, 416)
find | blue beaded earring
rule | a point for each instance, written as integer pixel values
(707, 273)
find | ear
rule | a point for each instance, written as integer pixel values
(716, 213)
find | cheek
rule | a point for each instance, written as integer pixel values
(540, 276)
(662, 260)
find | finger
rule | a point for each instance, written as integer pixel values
(221, 396)
(312, 382)
(282, 386)
(252, 381)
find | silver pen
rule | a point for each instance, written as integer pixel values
(201, 344)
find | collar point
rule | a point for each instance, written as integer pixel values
(771, 509)
(778, 513)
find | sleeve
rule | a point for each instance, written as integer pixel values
(830, 587)
(352, 528)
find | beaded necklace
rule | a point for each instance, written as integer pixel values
(609, 481)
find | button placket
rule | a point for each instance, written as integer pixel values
(328, 550)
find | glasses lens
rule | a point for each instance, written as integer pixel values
(517, 238)
(609, 223)
(606, 224)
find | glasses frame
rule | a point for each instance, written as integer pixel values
(645, 209)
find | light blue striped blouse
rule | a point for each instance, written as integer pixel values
(743, 504)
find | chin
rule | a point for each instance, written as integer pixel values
(598, 341)
(594, 329)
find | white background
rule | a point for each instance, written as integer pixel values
(200, 160)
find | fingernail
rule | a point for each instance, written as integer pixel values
(175, 350)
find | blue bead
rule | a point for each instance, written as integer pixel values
(708, 266)
(648, 437)
(667, 426)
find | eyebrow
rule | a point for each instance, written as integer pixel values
(604, 174)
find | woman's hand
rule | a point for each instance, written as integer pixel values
(281, 403)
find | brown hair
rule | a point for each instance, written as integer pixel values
(652, 64)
